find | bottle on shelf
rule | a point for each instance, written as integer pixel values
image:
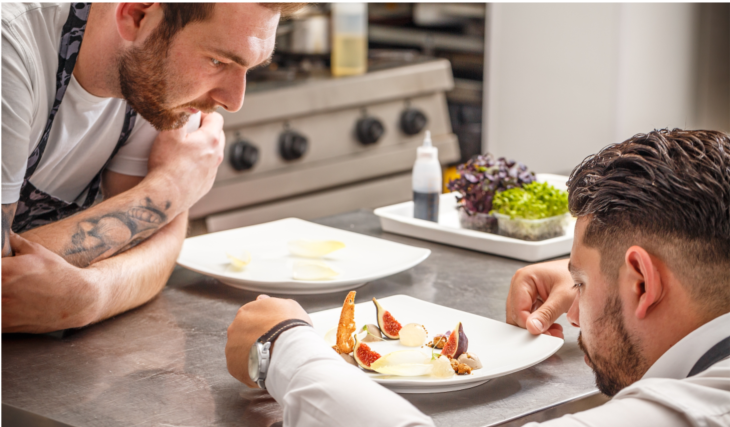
(427, 181)
(349, 39)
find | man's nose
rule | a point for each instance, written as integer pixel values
(574, 313)
(230, 91)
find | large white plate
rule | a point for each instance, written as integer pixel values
(399, 219)
(363, 259)
(502, 348)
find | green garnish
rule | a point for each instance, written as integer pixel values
(536, 200)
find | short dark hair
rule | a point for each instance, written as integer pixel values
(666, 191)
(178, 15)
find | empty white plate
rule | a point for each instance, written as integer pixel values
(363, 259)
(502, 348)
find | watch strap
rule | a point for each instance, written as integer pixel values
(280, 328)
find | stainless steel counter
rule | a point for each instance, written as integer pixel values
(163, 364)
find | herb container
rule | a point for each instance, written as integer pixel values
(478, 221)
(532, 229)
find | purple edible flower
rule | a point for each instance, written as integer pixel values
(483, 176)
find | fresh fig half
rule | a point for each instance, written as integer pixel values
(363, 354)
(457, 344)
(387, 323)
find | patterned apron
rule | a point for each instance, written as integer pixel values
(36, 208)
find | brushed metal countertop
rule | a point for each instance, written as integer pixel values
(163, 364)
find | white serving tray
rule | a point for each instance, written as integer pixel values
(399, 219)
(363, 259)
(502, 348)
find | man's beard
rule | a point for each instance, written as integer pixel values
(620, 364)
(144, 81)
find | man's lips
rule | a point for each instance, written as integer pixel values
(192, 110)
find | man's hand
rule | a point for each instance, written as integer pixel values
(253, 320)
(188, 163)
(41, 292)
(538, 295)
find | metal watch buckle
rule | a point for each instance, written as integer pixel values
(264, 357)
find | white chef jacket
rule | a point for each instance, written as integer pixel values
(315, 387)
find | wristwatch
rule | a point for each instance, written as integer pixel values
(260, 356)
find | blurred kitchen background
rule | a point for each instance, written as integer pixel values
(332, 124)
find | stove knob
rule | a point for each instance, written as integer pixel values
(243, 155)
(412, 121)
(369, 130)
(292, 145)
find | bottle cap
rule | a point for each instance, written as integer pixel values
(427, 150)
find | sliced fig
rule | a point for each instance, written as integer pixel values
(373, 333)
(387, 323)
(457, 344)
(364, 355)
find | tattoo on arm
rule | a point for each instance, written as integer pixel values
(103, 236)
(7, 221)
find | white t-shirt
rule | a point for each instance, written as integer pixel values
(86, 128)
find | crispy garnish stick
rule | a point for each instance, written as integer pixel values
(346, 327)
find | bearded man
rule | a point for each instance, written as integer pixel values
(112, 102)
(648, 283)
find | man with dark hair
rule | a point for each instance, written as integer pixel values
(648, 283)
(112, 100)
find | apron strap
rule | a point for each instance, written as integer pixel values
(71, 37)
(717, 353)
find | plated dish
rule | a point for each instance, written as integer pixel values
(294, 256)
(500, 348)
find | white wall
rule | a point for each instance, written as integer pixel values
(657, 68)
(565, 80)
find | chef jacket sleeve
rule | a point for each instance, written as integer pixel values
(316, 387)
(17, 113)
(622, 412)
(131, 159)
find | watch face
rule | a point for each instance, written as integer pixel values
(253, 362)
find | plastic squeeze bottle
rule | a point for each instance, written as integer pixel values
(427, 181)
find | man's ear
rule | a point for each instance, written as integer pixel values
(136, 20)
(645, 280)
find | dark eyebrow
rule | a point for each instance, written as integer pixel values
(573, 269)
(265, 62)
(240, 61)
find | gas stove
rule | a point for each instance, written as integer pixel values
(320, 146)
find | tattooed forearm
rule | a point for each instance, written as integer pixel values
(7, 221)
(103, 236)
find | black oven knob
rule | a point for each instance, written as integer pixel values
(369, 130)
(243, 155)
(412, 121)
(292, 145)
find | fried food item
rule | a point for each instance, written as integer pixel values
(439, 341)
(345, 329)
(460, 368)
